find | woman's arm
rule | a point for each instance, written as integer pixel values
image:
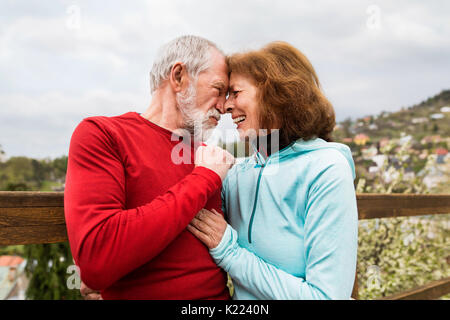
(330, 245)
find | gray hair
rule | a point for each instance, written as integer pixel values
(193, 51)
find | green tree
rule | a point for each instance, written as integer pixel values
(59, 166)
(47, 267)
(435, 128)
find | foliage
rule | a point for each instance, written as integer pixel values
(22, 173)
(12, 250)
(47, 268)
(397, 254)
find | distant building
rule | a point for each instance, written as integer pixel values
(373, 126)
(419, 120)
(437, 116)
(3, 157)
(441, 153)
(361, 139)
(394, 124)
(445, 109)
(431, 139)
(383, 142)
(12, 278)
(423, 155)
(347, 140)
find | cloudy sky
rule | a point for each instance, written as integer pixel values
(62, 61)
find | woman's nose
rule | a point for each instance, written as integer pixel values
(220, 105)
(228, 106)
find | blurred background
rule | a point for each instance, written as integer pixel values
(383, 65)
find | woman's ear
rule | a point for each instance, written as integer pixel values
(178, 77)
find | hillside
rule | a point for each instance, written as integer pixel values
(413, 142)
(428, 118)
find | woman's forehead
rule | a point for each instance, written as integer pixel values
(237, 79)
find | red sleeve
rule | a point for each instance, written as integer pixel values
(108, 241)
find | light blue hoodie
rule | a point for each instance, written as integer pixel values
(293, 223)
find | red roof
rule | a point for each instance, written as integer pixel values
(441, 151)
(10, 261)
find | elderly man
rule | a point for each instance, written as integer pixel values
(128, 198)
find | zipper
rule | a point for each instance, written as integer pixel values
(254, 204)
(257, 190)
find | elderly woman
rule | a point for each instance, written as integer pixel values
(291, 210)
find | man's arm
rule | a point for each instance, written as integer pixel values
(107, 240)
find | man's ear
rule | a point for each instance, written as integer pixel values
(178, 77)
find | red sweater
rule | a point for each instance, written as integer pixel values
(127, 205)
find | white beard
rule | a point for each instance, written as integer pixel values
(195, 121)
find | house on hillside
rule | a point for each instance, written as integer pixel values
(437, 116)
(445, 109)
(424, 154)
(367, 119)
(383, 143)
(3, 157)
(361, 139)
(419, 120)
(431, 139)
(441, 154)
(13, 282)
(347, 140)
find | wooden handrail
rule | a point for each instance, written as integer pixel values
(38, 217)
(372, 205)
(432, 290)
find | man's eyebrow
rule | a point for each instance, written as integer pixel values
(220, 84)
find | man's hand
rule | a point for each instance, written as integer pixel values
(214, 158)
(89, 294)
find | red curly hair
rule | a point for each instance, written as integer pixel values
(289, 91)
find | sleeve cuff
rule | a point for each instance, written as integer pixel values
(225, 246)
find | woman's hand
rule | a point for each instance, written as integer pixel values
(208, 227)
(88, 293)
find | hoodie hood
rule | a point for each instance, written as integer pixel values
(301, 146)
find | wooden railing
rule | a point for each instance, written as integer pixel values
(38, 217)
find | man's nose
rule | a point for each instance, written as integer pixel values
(220, 106)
